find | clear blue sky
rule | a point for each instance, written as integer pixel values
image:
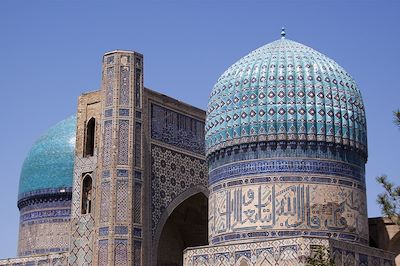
(51, 52)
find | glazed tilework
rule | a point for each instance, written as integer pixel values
(125, 86)
(44, 231)
(137, 253)
(172, 173)
(123, 141)
(137, 201)
(259, 201)
(103, 252)
(285, 91)
(82, 225)
(283, 149)
(138, 144)
(109, 94)
(105, 210)
(287, 251)
(50, 162)
(54, 259)
(121, 252)
(122, 201)
(284, 165)
(107, 143)
(138, 82)
(177, 129)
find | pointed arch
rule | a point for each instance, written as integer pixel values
(90, 137)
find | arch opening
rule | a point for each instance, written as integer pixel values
(89, 140)
(86, 206)
(187, 226)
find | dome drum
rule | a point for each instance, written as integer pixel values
(45, 191)
(63, 194)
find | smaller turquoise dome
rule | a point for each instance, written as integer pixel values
(49, 165)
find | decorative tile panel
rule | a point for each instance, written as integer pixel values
(172, 173)
(121, 252)
(138, 145)
(137, 253)
(109, 92)
(292, 166)
(122, 200)
(105, 202)
(123, 141)
(103, 253)
(107, 143)
(138, 87)
(285, 251)
(177, 129)
(125, 85)
(137, 201)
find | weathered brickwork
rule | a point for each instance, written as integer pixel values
(116, 199)
(287, 251)
(54, 259)
(82, 218)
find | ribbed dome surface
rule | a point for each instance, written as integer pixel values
(49, 164)
(285, 91)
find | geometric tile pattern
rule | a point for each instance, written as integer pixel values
(123, 141)
(54, 259)
(109, 87)
(105, 210)
(103, 252)
(137, 253)
(124, 87)
(285, 91)
(116, 189)
(295, 165)
(137, 201)
(121, 252)
(172, 173)
(122, 198)
(82, 225)
(177, 129)
(289, 252)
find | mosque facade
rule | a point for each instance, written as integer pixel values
(274, 168)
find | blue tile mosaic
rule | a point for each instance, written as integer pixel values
(50, 162)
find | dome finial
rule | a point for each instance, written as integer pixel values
(283, 33)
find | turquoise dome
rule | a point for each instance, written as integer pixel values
(286, 91)
(49, 165)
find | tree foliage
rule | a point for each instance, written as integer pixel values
(320, 256)
(397, 117)
(389, 199)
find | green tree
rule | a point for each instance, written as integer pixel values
(397, 117)
(320, 256)
(389, 199)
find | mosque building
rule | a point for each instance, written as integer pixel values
(272, 170)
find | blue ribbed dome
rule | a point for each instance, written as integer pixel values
(285, 91)
(49, 164)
